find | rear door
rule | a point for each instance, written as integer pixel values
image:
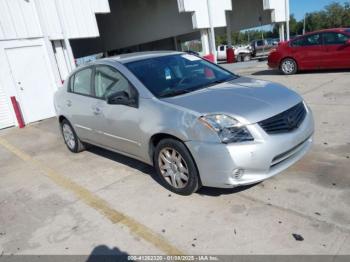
(308, 51)
(79, 103)
(336, 54)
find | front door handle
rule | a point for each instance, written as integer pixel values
(69, 103)
(97, 110)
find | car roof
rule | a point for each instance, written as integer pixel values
(138, 56)
(343, 30)
(329, 30)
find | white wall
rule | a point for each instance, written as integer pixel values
(20, 19)
(199, 10)
(278, 14)
(243, 13)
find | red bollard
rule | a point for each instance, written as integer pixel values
(17, 112)
(230, 55)
(210, 58)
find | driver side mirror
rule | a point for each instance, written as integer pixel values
(347, 42)
(122, 98)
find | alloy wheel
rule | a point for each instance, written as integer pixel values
(68, 136)
(173, 167)
(288, 66)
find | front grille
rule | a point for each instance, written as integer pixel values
(286, 155)
(286, 121)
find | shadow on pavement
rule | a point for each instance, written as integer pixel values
(211, 191)
(267, 73)
(106, 254)
(128, 161)
(276, 72)
(149, 170)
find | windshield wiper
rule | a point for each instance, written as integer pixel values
(203, 86)
(219, 81)
(176, 93)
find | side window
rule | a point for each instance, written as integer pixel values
(81, 82)
(222, 48)
(313, 40)
(260, 43)
(298, 42)
(310, 40)
(108, 81)
(333, 38)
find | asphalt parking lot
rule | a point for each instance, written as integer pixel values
(56, 202)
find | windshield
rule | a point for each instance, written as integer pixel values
(173, 75)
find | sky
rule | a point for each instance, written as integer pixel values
(300, 7)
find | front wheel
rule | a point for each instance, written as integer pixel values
(176, 167)
(289, 66)
(247, 58)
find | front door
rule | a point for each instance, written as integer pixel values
(117, 125)
(35, 86)
(336, 53)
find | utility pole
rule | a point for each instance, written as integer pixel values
(304, 28)
(212, 32)
(287, 18)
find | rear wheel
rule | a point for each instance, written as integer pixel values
(70, 137)
(175, 167)
(289, 66)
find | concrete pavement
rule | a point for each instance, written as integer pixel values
(55, 202)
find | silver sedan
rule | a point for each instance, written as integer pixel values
(195, 122)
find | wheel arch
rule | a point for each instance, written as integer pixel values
(61, 118)
(156, 138)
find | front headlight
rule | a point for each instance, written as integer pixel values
(228, 128)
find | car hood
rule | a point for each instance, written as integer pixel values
(248, 100)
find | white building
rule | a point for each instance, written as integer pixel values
(36, 38)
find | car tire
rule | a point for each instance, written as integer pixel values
(175, 167)
(247, 58)
(289, 66)
(70, 138)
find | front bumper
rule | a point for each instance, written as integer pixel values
(266, 156)
(273, 60)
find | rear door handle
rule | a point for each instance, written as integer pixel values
(69, 103)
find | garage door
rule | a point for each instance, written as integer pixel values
(6, 119)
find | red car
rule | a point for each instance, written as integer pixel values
(326, 49)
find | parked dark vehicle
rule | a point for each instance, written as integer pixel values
(326, 49)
